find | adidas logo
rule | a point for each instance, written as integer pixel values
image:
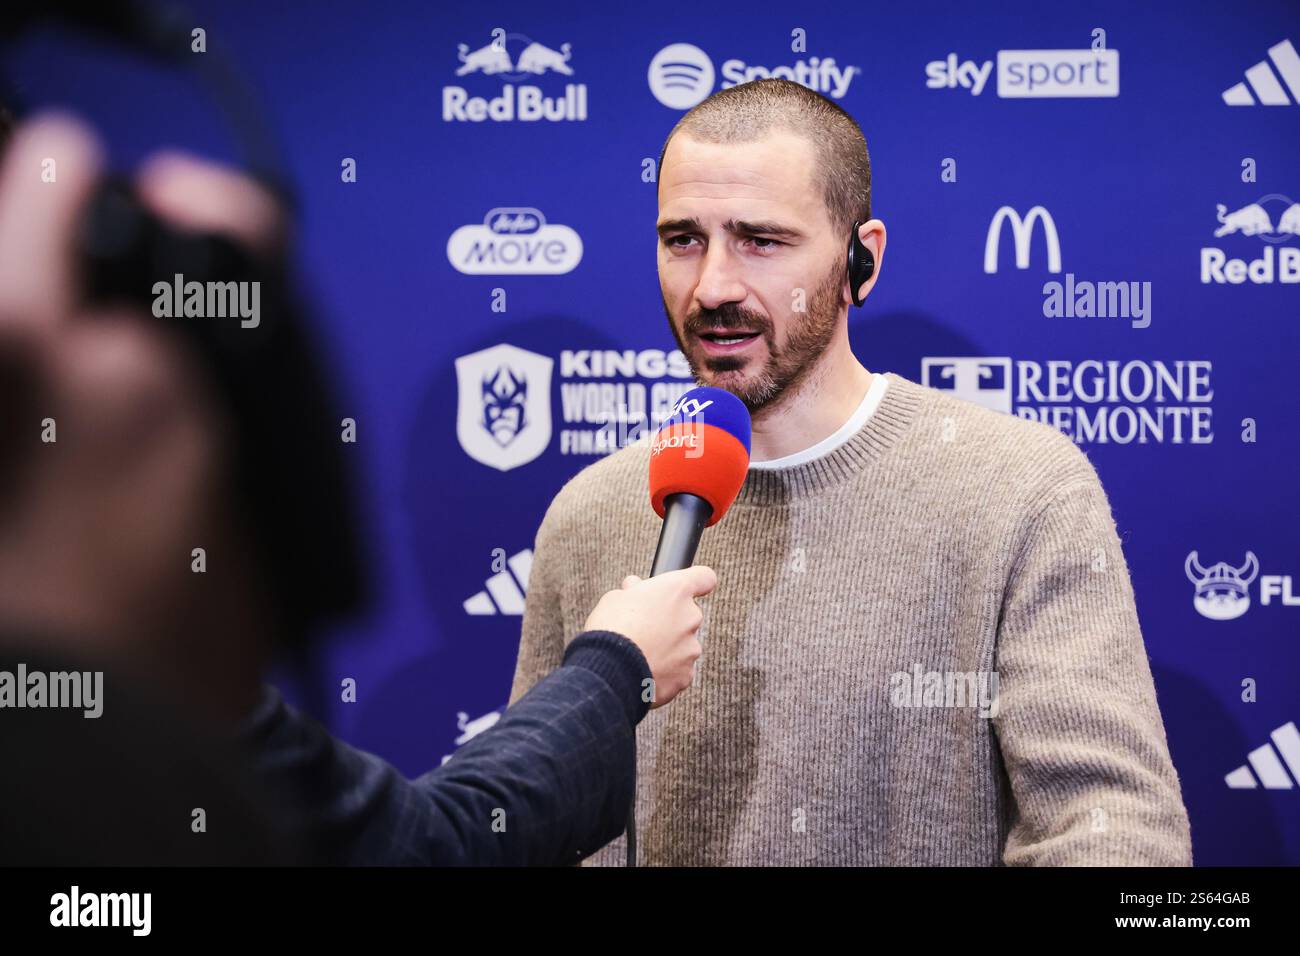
(503, 592)
(1259, 78)
(1266, 764)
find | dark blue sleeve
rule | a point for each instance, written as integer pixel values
(550, 783)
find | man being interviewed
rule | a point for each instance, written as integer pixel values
(928, 653)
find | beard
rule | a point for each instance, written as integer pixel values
(809, 337)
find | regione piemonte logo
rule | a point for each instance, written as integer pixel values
(984, 381)
(1101, 401)
(503, 417)
(514, 240)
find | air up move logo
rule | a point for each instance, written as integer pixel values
(514, 240)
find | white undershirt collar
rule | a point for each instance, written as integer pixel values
(859, 418)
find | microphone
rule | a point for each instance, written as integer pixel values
(698, 461)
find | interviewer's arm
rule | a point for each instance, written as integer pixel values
(549, 784)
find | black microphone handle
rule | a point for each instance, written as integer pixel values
(684, 518)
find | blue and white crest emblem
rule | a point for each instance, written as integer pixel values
(504, 408)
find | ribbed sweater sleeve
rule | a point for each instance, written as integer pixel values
(1080, 733)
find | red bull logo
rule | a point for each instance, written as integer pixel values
(515, 58)
(1256, 220)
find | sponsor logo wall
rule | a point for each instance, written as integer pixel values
(1105, 244)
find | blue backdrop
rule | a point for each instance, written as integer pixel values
(1159, 140)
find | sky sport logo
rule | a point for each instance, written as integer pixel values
(1091, 401)
(689, 407)
(692, 442)
(1256, 220)
(681, 75)
(514, 240)
(1032, 74)
(514, 58)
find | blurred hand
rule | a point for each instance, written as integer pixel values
(661, 617)
(97, 527)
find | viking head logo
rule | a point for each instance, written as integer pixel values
(505, 402)
(1222, 590)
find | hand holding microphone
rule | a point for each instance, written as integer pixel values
(698, 461)
(661, 618)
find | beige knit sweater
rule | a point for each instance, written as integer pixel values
(844, 710)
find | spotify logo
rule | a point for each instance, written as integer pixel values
(681, 75)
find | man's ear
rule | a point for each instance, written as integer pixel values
(871, 237)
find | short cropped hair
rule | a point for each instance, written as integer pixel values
(750, 111)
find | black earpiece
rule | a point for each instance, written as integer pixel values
(861, 264)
